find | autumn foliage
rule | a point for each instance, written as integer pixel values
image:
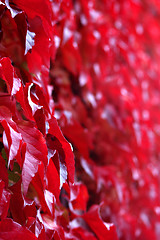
(79, 119)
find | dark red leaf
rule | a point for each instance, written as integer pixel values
(4, 200)
(3, 171)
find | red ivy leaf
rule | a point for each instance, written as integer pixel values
(36, 151)
(102, 230)
(3, 171)
(7, 73)
(12, 230)
(11, 137)
(35, 8)
(4, 200)
(53, 177)
(68, 158)
(19, 209)
(78, 197)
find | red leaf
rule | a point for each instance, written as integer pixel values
(36, 151)
(68, 155)
(76, 134)
(102, 230)
(7, 73)
(71, 57)
(78, 197)
(56, 153)
(19, 209)
(35, 98)
(38, 190)
(35, 8)
(14, 87)
(12, 230)
(4, 200)
(12, 139)
(3, 171)
(53, 177)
